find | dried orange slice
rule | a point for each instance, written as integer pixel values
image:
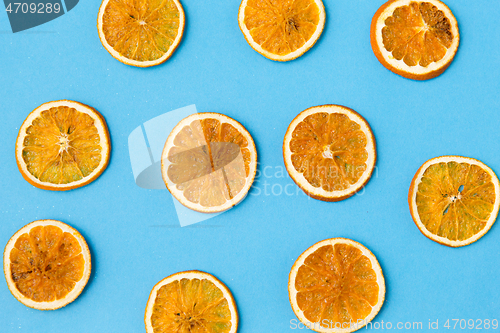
(209, 162)
(141, 33)
(46, 264)
(281, 30)
(329, 152)
(454, 200)
(415, 39)
(336, 285)
(189, 302)
(62, 145)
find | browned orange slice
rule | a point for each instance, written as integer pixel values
(46, 264)
(336, 285)
(415, 39)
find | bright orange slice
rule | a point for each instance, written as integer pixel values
(191, 302)
(62, 145)
(46, 264)
(209, 162)
(415, 39)
(336, 285)
(329, 152)
(454, 200)
(281, 30)
(141, 33)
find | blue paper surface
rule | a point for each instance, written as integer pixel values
(134, 234)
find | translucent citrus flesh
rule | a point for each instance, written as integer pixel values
(419, 33)
(455, 200)
(141, 30)
(46, 263)
(62, 145)
(191, 306)
(210, 162)
(329, 150)
(281, 26)
(336, 284)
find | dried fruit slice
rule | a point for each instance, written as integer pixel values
(46, 264)
(415, 39)
(281, 30)
(336, 285)
(329, 152)
(62, 145)
(189, 302)
(454, 200)
(141, 33)
(209, 162)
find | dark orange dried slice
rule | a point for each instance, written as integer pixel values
(329, 152)
(336, 285)
(281, 30)
(141, 33)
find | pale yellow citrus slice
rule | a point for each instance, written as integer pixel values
(46, 264)
(281, 30)
(191, 302)
(329, 152)
(62, 145)
(209, 162)
(141, 33)
(415, 39)
(454, 200)
(336, 285)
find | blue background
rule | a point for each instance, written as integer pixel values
(134, 234)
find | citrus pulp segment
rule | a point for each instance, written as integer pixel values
(62, 145)
(329, 152)
(415, 39)
(281, 30)
(454, 200)
(209, 162)
(46, 264)
(191, 302)
(336, 285)
(141, 33)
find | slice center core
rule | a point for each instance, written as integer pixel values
(63, 142)
(327, 153)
